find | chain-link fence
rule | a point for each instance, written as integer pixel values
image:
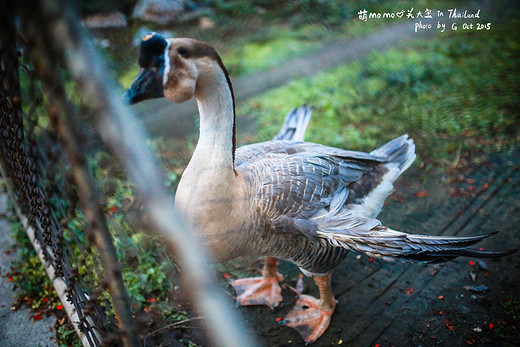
(62, 126)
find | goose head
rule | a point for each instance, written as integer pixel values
(177, 69)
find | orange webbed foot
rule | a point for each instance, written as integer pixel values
(259, 291)
(308, 318)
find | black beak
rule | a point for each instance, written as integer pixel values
(147, 85)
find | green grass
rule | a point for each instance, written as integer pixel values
(455, 93)
(281, 43)
(254, 37)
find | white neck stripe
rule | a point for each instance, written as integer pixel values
(166, 63)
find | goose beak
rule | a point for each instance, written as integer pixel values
(147, 85)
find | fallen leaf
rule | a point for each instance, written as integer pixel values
(409, 290)
(421, 194)
(448, 324)
(491, 326)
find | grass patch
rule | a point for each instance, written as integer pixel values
(455, 93)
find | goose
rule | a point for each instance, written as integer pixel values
(288, 199)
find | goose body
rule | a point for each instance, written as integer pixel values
(288, 199)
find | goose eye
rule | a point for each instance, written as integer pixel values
(183, 52)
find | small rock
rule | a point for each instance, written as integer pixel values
(105, 43)
(477, 289)
(158, 11)
(482, 264)
(206, 23)
(114, 19)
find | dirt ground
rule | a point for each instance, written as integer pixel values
(403, 304)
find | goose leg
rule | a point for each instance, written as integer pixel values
(263, 290)
(310, 316)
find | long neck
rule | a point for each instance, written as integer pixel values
(215, 101)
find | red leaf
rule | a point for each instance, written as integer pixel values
(278, 319)
(421, 194)
(151, 300)
(470, 181)
(409, 290)
(59, 307)
(471, 262)
(440, 297)
(371, 259)
(491, 326)
(448, 324)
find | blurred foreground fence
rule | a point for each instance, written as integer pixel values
(56, 97)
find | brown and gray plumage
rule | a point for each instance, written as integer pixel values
(299, 201)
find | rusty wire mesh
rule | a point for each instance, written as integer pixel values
(39, 99)
(34, 161)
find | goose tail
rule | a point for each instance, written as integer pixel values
(399, 152)
(295, 124)
(391, 245)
